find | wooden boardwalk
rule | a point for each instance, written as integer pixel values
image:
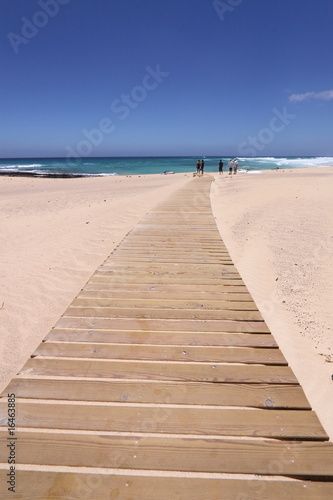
(162, 381)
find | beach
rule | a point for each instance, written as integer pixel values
(54, 234)
(277, 226)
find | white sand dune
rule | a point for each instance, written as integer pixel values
(278, 227)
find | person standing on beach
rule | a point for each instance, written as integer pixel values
(220, 167)
(231, 165)
(235, 166)
(198, 167)
(202, 166)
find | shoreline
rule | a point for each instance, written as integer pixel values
(241, 171)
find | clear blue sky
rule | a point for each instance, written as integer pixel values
(175, 77)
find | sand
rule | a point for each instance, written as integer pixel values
(54, 234)
(277, 226)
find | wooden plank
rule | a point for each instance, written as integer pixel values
(164, 325)
(195, 268)
(219, 455)
(187, 239)
(173, 225)
(146, 313)
(184, 251)
(173, 242)
(92, 301)
(162, 353)
(120, 295)
(155, 370)
(190, 259)
(282, 424)
(162, 338)
(151, 279)
(145, 258)
(178, 223)
(39, 485)
(163, 291)
(162, 392)
(186, 248)
(182, 290)
(168, 260)
(203, 221)
(168, 271)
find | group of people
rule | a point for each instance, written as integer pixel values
(200, 167)
(233, 166)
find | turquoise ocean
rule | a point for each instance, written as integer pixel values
(87, 167)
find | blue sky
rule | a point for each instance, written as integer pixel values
(166, 77)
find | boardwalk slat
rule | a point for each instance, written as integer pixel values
(211, 269)
(144, 324)
(162, 338)
(122, 312)
(163, 392)
(201, 372)
(176, 279)
(39, 485)
(94, 301)
(282, 424)
(162, 353)
(163, 290)
(207, 299)
(219, 455)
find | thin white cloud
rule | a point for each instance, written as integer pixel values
(326, 95)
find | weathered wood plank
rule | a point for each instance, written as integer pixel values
(161, 338)
(147, 313)
(154, 370)
(167, 259)
(269, 423)
(120, 295)
(162, 392)
(182, 250)
(144, 259)
(39, 485)
(162, 353)
(155, 279)
(218, 271)
(221, 272)
(95, 301)
(194, 268)
(227, 455)
(170, 325)
(179, 290)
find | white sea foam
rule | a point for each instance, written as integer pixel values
(271, 162)
(15, 167)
